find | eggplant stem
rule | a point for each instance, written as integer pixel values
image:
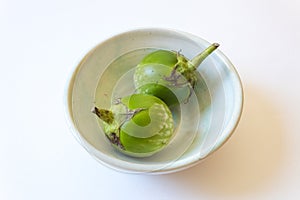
(197, 60)
(105, 115)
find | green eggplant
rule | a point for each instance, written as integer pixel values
(138, 125)
(169, 75)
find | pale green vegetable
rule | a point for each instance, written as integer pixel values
(138, 125)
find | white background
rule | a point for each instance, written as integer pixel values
(41, 42)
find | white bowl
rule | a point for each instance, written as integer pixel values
(219, 93)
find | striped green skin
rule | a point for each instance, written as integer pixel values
(155, 120)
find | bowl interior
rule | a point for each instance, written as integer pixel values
(218, 94)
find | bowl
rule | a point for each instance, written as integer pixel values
(106, 68)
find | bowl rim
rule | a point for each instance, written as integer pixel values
(128, 167)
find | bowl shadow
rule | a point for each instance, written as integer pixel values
(249, 160)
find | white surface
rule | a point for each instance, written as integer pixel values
(40, 42)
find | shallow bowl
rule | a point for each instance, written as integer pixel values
(218, 93)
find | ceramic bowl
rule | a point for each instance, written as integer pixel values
(95, 79)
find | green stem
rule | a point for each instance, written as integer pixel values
(105, 115)
(197, 60)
